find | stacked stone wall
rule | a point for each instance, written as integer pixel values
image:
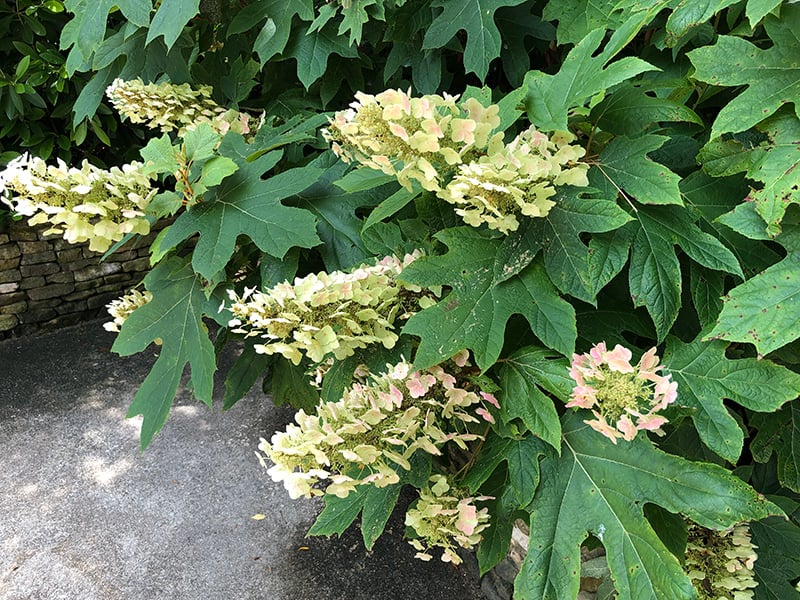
(46, 282)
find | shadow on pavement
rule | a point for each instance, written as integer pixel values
(87, 515)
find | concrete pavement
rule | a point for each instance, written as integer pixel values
(84, 514)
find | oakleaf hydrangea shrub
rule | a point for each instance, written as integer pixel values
(536, 265)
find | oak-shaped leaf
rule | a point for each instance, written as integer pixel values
(482, 298)
(566, 257)
(245, 204)
(778, 561)
(772, 75)
(655, 275)
(584, 73)
(599, 488)
(174, 317)
(763, 310)
(779, 433)
(526, 379)
(706, 377)
(476, 17)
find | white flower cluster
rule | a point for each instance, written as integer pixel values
(167, 106)
(421, 139)
(82, 204)
(121, 308)
(519, 177)
(376, 427)
(324, 313)
(449, 149)
(721, 562)
(444, 514)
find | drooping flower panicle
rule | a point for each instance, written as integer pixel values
(121, 308)
(720, 563)
(420, 139)
(167, 106)
(326, 313)
(445, 514)
(89, 203)
(513, 179)
(451, 148)
(374, 430)
(623, 398)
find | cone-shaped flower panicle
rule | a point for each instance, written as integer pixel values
(420, 139)
(167, 106)
(369, 436)
(121, 308)
(329, 313)
(446, 516)
(450, 148)
(89, 203)
(623, 398)
(720, 563)
(515, 179)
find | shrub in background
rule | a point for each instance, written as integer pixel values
(581, 186)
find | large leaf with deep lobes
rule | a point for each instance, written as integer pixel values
(482, 299)
(476, 18)
(175, 317)
(763, 310)
(599, 488)
(779, 432)
(706, 377)
(772, 75)
(584, 73)
(246, 204)
(526, 379)
(566, 257)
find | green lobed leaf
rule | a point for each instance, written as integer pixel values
(476, 17)
(577, 18)
(630, 110)
(526, 377)
(706, 378)
(170, 19)
(777, 167)
(779, 432)
(87, 28)
(599, 488)
(375, 505)
(280, 13)
(244, 373)
(778, 562)
(475, 312)
(689, 15)
(245, 204)
(625, 163)
(582, 75)
(312, 51)
(174, 316)
(338, 226)
(521, 456)
(772, 75)
(654, 276)
(763, 310)
(566, 257)
(773, 162)
(289, 384)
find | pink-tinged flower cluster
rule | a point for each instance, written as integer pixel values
(445, 514)
(329, 313)
(623, 398)
(376, 427)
